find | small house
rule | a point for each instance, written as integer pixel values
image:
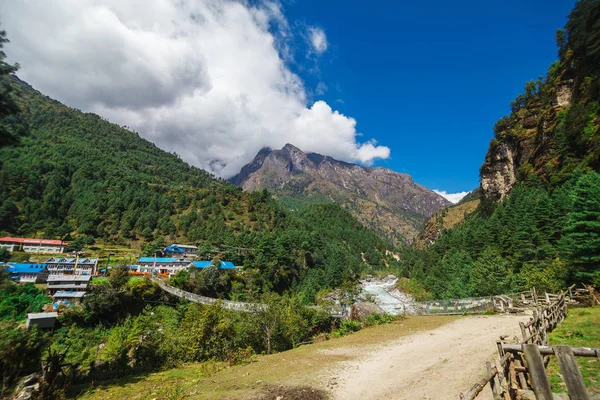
(32, 245)
(72, 266)
(68, 283)
(205, 264)
(160, 265)
(45, 320)
(181, 251)
(28, 272)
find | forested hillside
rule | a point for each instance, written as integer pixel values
(539, 220)
(74, 175)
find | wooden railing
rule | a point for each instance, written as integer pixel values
(544, 320)
(520, 371)
(585, 296)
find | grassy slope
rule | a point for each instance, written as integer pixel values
(445, 219)
(580, 329)
(297, 367)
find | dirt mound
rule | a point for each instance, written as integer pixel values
(292, 393)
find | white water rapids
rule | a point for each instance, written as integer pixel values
(387, 296)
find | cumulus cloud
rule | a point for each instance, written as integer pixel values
(451, 197)
(208, 79)
(318, 40)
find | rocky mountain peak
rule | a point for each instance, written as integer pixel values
(380, 198)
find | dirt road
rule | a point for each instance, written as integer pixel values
(436, 364)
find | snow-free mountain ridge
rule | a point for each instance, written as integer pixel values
(387, 201)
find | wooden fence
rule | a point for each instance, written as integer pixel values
(520, 371)
(544, 320)
(508, 303)
(585, 296)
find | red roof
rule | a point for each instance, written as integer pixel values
(33, 241)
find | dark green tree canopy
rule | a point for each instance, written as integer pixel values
(8, 106)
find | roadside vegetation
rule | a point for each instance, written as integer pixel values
(581, 328)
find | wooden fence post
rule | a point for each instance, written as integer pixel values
(570, 372)
(537, 373)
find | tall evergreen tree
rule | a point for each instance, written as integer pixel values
(582, 234)
(7, 104)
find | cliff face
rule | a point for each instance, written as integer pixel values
(382, 199)
(498, 173)
(553, 127)
(531, 140)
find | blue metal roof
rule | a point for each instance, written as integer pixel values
(30, 268)
(205, 264)
(174, 249)
(159, 260)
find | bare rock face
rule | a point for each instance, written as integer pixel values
(564, 94)
(498, 173)
(387, 201)
(27, 388)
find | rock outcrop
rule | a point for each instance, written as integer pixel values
(498, 173)
(387, 201)
(27, 388)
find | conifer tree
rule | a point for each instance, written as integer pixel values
(7, 103)
(582, 233)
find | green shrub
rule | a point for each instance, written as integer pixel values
(378, 319)
(346, 328)
(412, 287)
(18, 300)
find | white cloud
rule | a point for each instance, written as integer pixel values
(451, 197)
(318, 40)
(207, 79)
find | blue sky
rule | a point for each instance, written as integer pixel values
(430, 79)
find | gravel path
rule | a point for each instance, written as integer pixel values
(434, 365)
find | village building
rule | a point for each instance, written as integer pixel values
(181, 251)
(206, 264)
(28, 272)
(67, 297)
(69, 288)
(170, 266)
(72, 266)
(32, 245)
(160, 265)
(44, 320)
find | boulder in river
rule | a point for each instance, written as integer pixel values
(362, 310)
